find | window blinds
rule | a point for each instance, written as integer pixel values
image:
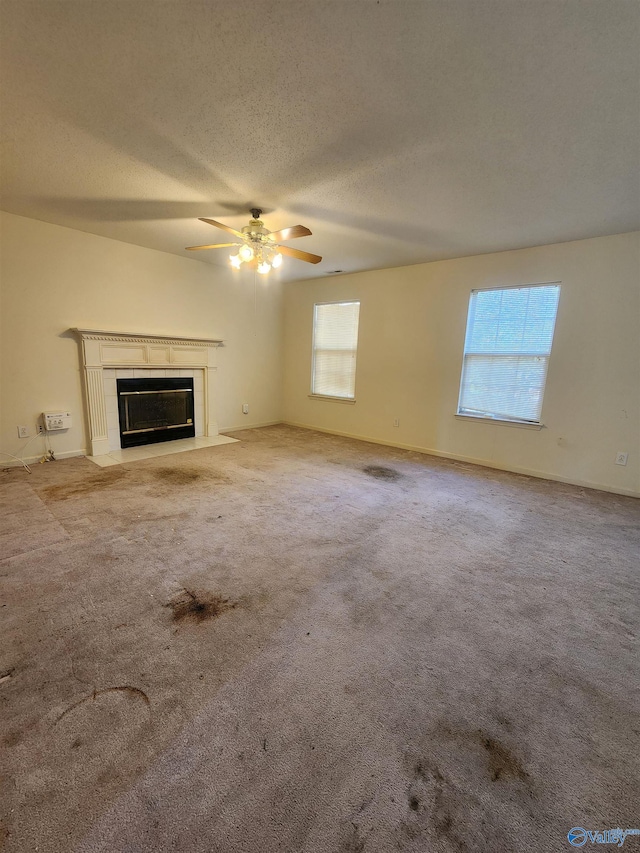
(335, 340)
(506, 352)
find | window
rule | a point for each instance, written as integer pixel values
(506, 352)
(335, 340)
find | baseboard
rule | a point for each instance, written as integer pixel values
(471, 460)
(484, 463)
(225, 430)
(30, 460)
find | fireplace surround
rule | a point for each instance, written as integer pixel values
(152, 356)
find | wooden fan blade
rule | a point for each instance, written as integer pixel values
(301, 256)
(290, 233)
(220, 225)
(212, 246)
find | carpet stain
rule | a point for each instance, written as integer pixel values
(440, 795)
(191, 606)
(501, 761)
(178, 476)
(381, 472)
(353, 843)
(87, 486)
(12, 738)
(442, 819)
(188, 476)
(127, 689)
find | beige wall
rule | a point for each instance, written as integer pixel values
(412, 325)
(54, 278)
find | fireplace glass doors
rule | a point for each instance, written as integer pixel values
(153, 410)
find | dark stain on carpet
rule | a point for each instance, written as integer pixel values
(442, 819)
(188, 476)
(178, 476)
(502, 762)
(87, 486)
(437, 791)
(381, 472)
(190, 606)
(12, 738)
(353, 841)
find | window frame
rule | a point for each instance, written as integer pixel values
(332, 397)
(487, 417)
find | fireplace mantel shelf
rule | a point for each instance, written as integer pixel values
(139, 338)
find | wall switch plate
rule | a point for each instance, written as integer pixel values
(396, 422)
(621, 458)
(245, 408)
(23, 432)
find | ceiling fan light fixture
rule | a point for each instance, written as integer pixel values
(259, 247)
(246, 253)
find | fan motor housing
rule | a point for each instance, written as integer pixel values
(255, 230)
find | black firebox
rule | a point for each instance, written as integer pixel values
(154, 410)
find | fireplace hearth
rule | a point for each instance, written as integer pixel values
(155, 409)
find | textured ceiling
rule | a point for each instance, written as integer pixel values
(399, 132)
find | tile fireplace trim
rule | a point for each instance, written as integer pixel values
(102, 349)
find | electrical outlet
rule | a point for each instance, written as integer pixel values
(245, 408)
(396, 422)
(39, 429)
(23, 432)
(621, 458)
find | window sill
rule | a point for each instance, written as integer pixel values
(500, 421)
(332, 399)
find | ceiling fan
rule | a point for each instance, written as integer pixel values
(259, 245)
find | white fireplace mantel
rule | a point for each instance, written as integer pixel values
(102, 350)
